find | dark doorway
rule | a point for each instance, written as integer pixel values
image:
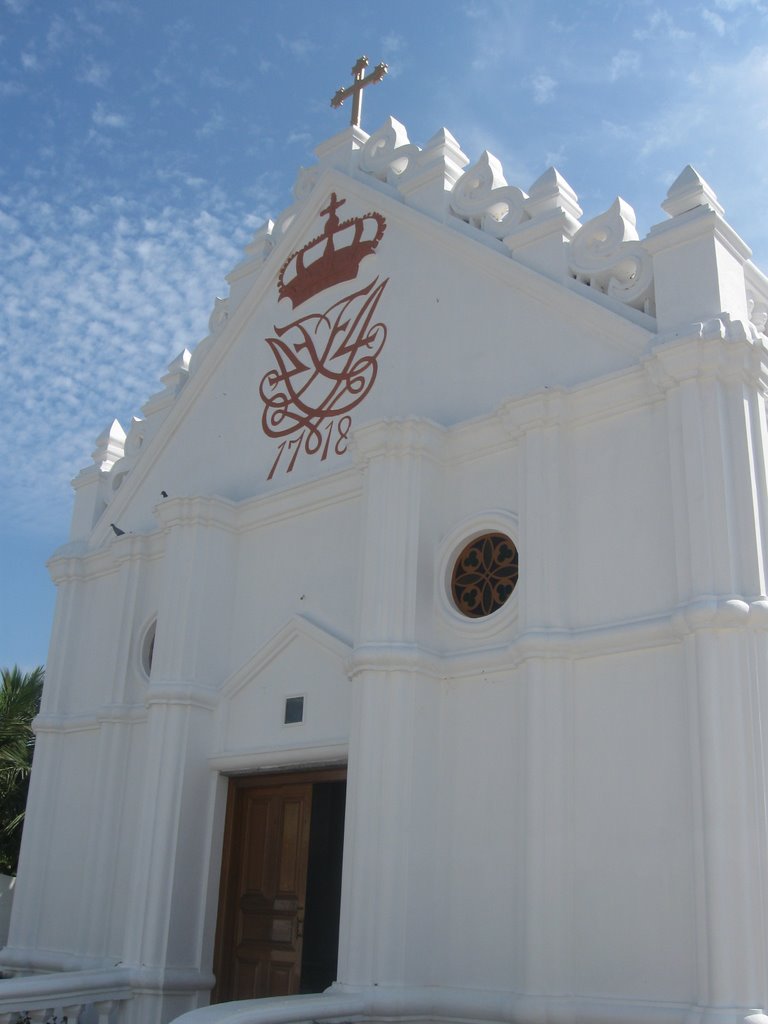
(278, 927)
(321, 925)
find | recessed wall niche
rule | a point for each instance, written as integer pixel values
(148, 648)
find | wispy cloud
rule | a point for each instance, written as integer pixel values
(104, 118)
(543, 86)
(59, 34)
(736, 5)
(726, 94)
(660, 23)
(30, 61)
(623, 63)
(393, 43)
(12, 88)
(714, 21)
(95, 300)
(215, 123)
(95, 74)
(299, 46)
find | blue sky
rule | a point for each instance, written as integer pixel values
(144, 141)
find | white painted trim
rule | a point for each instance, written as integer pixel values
(383, 1002)
(239, 762)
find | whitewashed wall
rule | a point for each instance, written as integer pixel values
(561, 806)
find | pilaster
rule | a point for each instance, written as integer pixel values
(46, 780)
(548, 926)
(394, 703)
(164, 926)
(100, 900)
(714, 386)
(537, 426)
(28, 915)
(399, 458)
(725, 693)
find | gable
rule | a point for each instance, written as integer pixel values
(427, 322)
(299, 661)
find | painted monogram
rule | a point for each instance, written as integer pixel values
(325, 362)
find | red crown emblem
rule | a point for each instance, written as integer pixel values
(332, 257)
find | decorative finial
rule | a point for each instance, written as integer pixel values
(356, 89)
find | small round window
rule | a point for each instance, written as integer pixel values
(484, 575)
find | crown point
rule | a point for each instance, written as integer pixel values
(332, 257)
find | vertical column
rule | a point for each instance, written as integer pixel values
(717, 432)
(108, 828)
(544, 497)
(164, 925)
(716, 416)
(29, 897)
(390, 691)
(544, 482)
(729, 788)
(548, 878)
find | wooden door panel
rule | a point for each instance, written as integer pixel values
(261, 928)
(254, 842)
(292, 849)
(259, 942)
(283, 978)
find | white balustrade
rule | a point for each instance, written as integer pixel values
(67, 997)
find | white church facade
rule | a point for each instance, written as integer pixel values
(410, 658)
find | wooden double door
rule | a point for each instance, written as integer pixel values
(278, 926)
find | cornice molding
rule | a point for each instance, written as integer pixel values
(706, 613)
(172, 692)
(413, 437)
(237, 762)
(696, 223)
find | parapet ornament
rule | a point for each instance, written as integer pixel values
(605, 254)
(262, 243)
(219, 315)
(388, 153)
(110, 446)
(483, 198)
(758, 311)
(305, 182)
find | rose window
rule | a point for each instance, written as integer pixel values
(484, 575)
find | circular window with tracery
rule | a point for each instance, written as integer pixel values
(484, 575)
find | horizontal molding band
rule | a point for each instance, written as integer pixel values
(238, 761)
(448, 1005)
(704, 614)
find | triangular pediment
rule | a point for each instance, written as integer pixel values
(364, 302)
(297, 631)
(302, 661)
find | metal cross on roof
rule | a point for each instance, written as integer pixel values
(356, 89)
